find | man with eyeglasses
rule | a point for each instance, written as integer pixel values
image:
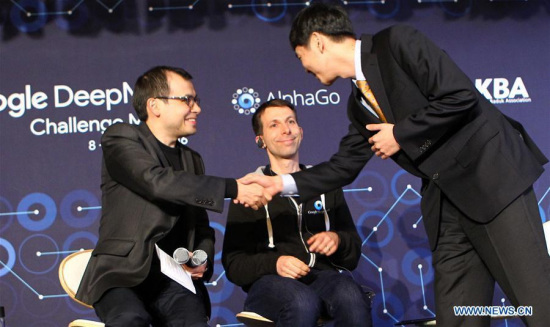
(154, 201)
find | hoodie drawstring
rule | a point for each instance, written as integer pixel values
(271, 244)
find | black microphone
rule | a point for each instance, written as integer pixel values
(181, 255)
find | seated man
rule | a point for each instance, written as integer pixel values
(288, 256)
(154, 197)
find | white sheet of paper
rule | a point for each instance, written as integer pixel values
(172, 269)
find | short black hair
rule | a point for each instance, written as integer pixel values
(154, 83)
(330, 20)
(257, 116)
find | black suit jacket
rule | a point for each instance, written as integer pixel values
(144, 201)
(449, 134)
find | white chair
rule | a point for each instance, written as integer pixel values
(546, 226)
(71, 271)
(252, 319)
(417, 322)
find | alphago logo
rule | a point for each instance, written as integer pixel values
(245, 101)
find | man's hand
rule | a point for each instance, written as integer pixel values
(272, 184)
(291, 267)
(251, 195)
(324, 243)
(196, 272)
(383, 143)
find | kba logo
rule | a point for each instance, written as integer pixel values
(501, 91)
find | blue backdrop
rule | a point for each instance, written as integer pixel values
(67, 69)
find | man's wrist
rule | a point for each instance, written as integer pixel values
(231, 188)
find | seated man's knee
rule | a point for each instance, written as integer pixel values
(348, 291)
(129, 318)
(350, 302)
(304, 308)
(306, 302)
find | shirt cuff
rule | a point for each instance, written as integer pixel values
(289, 185)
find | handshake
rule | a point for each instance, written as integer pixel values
(257, 190)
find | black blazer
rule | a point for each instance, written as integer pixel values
(450, 135)
(143, 201)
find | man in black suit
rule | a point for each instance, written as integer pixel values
(154, 196)
(477, 166)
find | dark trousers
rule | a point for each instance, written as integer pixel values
(158, 301)
(289, 302)
(471, 256)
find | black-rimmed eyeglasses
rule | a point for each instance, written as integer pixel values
(187, 99)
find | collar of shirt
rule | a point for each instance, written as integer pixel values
(359, 76)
